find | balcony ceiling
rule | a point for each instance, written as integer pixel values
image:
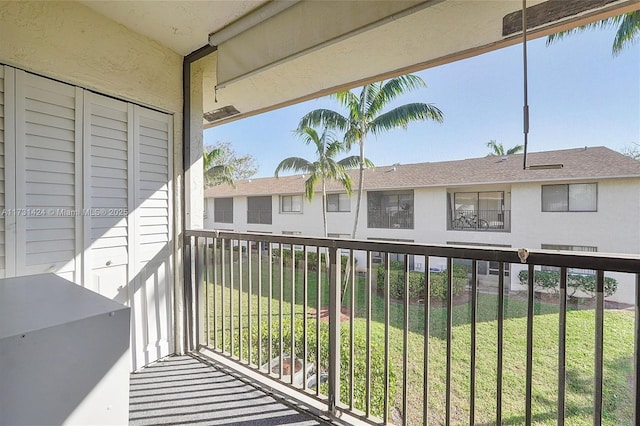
(433, 32)
(183, 26)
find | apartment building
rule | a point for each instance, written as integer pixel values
(585, 199)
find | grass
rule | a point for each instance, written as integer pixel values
(618, 352)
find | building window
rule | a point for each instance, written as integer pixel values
(390, 209)
(259, 210)
(223, 210)
(291, 203)
(478, 210)
(338, 203)
(575, 197)
(590, 249)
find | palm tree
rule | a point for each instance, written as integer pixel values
(628, 30)
(366, 114)
(216, 174)
(323, 168)
(497, 149)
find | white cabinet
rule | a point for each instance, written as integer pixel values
(86, 187)
(64, 354)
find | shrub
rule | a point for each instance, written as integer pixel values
(550, 281)
(438, 282)
(460, 280)
(312, 259)
(359, 386)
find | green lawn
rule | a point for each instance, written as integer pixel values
(618, 355)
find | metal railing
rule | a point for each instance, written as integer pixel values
(376, 343)
(479, 220)
(390, 220)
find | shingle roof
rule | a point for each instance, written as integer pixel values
(582, 163)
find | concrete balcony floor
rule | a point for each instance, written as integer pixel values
(182, 390)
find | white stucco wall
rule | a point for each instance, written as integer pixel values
(70, 42)
(613, 228)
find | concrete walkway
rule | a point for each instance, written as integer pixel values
(181, 390)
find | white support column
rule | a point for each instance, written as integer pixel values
(192, 188)
(194, 195)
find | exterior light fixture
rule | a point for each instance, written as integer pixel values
(220, 113)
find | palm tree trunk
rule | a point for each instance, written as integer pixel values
(324, 206)
(360, 186)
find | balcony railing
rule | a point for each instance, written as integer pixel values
(383, 344)
(390, 220)
(480, 220)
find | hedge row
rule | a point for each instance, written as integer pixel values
(312, 259)
(550, 281)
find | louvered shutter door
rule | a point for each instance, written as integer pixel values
(3, 206)
(153, 298)
(108, 135)
(48, 184)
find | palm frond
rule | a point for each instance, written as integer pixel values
(628, 32)
(515, 149)
(308, 134)
(351, 162)
(597, 25)
(210, 157)
(497, 149)
(217, 175)
(403, 115)
(295, 164)
(352, 137)
(346, 182)
(326, 118)
(391, 89)
(309, 186)
(346, 98)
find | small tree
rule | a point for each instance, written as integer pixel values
(227, 165)
(632, 150)
(323, 168)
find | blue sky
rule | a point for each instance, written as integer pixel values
(579, 95)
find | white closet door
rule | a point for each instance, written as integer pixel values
(108, 171)
(48, 177)
(153, 297)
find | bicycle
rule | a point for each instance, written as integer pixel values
(470, 221)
